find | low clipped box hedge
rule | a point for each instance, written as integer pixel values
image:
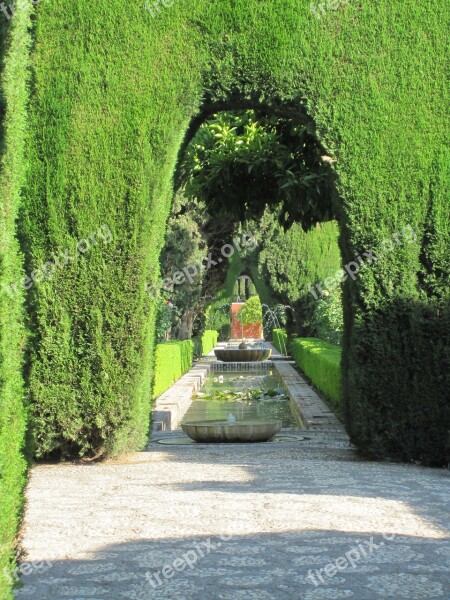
(209, 341)
(280, 340)
(172, 360)
(321, 362)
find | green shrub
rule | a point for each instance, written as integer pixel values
(252, 289)
(164, 319)
(172, 360)
(321, 362)
(293, 260)
(280, 340)
(209, 341)
(251, 312)
(327, 319)
(14, 50)
(411, 415)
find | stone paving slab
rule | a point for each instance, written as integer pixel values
(171, 406)
(312, 410)
(291, 509)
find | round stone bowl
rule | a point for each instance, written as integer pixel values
(211, 432)
(248, 355)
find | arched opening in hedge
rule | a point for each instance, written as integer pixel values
(261, 174)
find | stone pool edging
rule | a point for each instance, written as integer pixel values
(171, 406)
(308, 409)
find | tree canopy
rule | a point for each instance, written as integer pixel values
(240, 162)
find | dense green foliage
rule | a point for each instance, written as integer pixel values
(251, 312)
(240, 162)
(280, 340)
(14, 48)
(172, 360)
(328, 319)
(209, 341)
(412, 390)
(243, 289)
(164, 318)
(110, 115)
(293, 260)
(218, 313)
(182, 277)
(435, 255)
(321, 362)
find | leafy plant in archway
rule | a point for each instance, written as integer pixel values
(251, 312)
(240, 162)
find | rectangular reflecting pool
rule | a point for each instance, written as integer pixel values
(252, 395)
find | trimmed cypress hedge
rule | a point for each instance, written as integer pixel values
(14, 49)
(107, 126)
(295, 261)
(209, 341)
(172, 360)
(410, 418)
(280, 340)
(321, 362)
(108, 116)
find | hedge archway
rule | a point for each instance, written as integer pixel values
(113, 94)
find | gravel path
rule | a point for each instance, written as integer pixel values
(299, 518)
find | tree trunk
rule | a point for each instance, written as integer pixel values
(184, 331)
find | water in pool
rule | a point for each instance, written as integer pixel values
(245, 395)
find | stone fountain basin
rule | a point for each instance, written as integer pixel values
(237, 355)
(223, 431)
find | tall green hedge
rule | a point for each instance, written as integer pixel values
(321, 362)
(294, 261)
(409, 416)
(14, 50)
(172, 360)
(109, 113)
